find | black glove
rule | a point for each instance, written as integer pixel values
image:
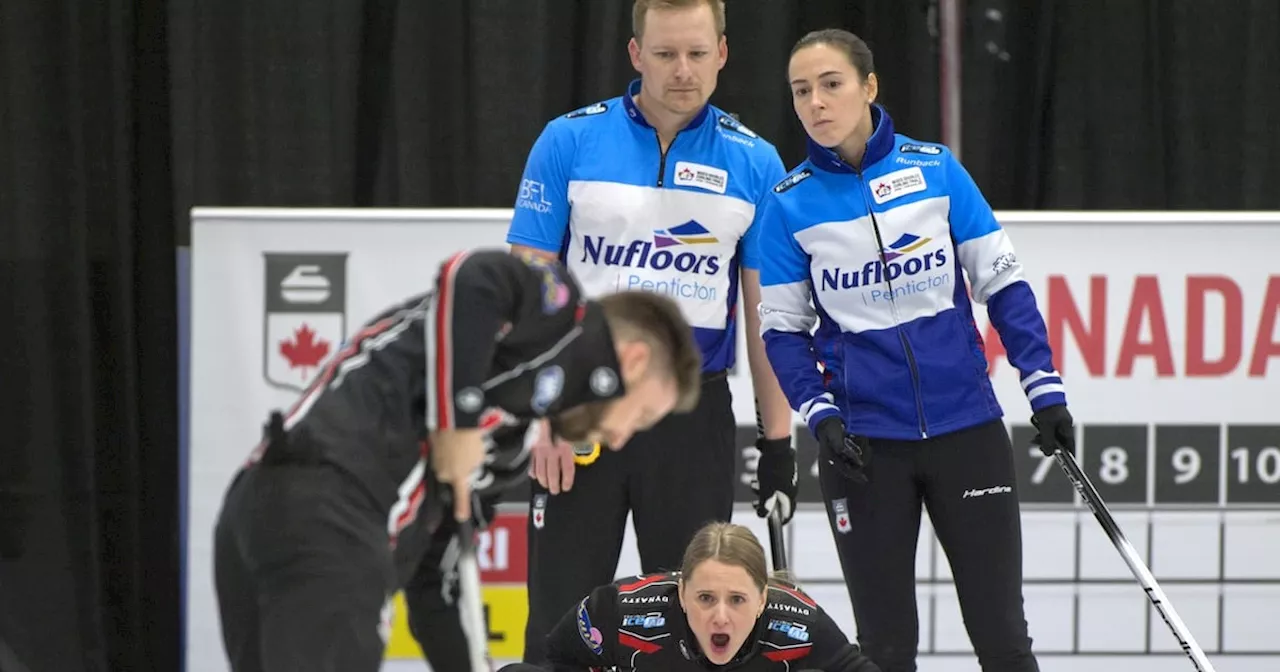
(847, 453)
(775, 484)
(1054, 429)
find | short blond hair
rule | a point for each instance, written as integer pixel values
(642, 7)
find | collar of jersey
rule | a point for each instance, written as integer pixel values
(635, 115)
(879, 145)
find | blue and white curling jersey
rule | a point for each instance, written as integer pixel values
(598, 191)
(881, 255)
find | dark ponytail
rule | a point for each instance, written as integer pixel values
(854, 47)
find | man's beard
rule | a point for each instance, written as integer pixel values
(577, 423)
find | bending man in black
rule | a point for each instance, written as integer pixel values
(349, 484)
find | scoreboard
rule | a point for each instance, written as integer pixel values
(1163, 466)
(1166, 467)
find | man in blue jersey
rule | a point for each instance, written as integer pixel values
(653, 190)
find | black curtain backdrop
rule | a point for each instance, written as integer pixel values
(116, 116)
(1141, 104)
(88, 510)
(436, 103)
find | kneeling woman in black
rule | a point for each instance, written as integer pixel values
(721, 611)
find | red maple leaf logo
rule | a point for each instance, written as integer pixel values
(305, 351)
(841, 522)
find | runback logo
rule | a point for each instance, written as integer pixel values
(875, 272)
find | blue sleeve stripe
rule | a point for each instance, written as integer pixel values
(817, 407)
(1042, 390)
(1047, 399)
(1038, 378)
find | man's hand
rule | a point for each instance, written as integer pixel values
(1054, 429)
(456, 455)
(552, 461)
(849, 454)
(775, 484)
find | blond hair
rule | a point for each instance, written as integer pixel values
(733, 545)
(641, 8)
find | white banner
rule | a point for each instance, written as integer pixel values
(1167, 332)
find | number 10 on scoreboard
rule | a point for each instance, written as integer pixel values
(1196, 465)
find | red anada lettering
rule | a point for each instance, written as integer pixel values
(1092, 341)
(1265, 346)
(1198, 290)
(1213, 302)
(304, 351)
(1145, 308)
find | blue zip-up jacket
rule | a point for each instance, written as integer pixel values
(623, 215)
(880, 253)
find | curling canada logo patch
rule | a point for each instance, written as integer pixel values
(305, 318)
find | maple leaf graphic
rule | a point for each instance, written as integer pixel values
(305, 351)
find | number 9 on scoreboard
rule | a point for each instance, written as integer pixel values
(1188, 465)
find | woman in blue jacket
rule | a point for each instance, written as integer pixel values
(871, 239)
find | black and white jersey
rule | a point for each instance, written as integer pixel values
(501, 340)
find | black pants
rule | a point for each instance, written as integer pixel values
(673, 479)
(303, 571)
(961, 478)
